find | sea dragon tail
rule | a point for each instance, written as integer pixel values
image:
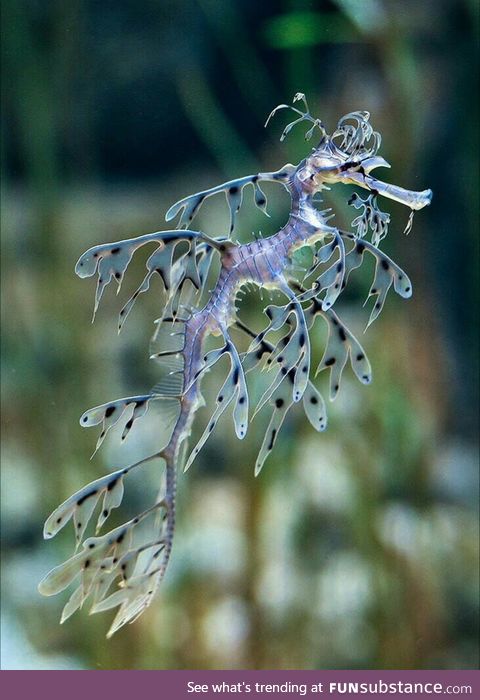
(136, 554)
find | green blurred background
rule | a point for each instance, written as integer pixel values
(356, 548)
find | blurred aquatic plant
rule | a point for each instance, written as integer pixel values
(136, 553)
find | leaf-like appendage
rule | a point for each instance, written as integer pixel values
(189, 206)
(281, 401)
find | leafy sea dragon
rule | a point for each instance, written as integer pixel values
(137, 552)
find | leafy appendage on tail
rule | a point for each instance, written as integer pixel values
(123, 567)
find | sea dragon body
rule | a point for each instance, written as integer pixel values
(138, 551)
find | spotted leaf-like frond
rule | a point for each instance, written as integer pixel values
(341, 345)
(189, 206)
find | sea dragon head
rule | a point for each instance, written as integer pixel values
(348, 156)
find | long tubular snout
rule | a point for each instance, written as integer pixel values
(412, 199)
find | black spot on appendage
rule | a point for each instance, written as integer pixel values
(341, 333)
(385, 265)
(235, 375)
(233, 189)
(109, 411)
(272, 439)
(314, 400)
(241, 399)
(360, 248)
(301, 340)
(279, 403)
(360, 357)
(116, 250)
(331, 361)
(87, 495)
(111, 484)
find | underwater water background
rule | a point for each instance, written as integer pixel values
(355, 548)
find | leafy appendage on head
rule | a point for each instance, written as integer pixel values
(304, 117)
(355, 135)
